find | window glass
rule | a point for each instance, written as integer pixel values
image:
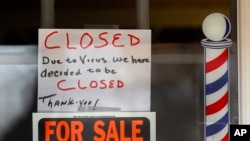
(19, 22)
(177, 85)
(178, 66)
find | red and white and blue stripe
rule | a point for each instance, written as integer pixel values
(216, 90)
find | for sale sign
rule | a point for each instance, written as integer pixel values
(120, 126)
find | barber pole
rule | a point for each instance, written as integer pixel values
(216, 76)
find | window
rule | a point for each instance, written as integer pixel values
(177, 57)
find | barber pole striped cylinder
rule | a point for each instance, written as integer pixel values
(216, 74)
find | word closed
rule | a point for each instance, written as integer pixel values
(96, 129)
(86, 40)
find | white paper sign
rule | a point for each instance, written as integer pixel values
(94, 70)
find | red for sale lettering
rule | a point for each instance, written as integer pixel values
(63, 130)
(117, 131)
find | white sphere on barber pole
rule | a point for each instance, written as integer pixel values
(216, 27)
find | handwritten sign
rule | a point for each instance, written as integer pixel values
(93, 69)
(95, 126)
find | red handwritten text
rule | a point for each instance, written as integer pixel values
(94, 84)
(86, 40)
